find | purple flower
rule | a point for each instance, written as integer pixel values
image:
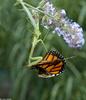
(49, 9)
(63, 13)
(71, 31)
(58, 31)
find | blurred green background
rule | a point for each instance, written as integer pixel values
(20, 83)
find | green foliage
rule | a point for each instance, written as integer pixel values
(15, 44)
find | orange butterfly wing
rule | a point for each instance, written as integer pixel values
(51, 65)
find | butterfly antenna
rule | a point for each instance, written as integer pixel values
(69, 57)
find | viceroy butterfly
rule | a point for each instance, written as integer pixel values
(51, 65)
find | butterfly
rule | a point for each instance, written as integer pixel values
(51, 65)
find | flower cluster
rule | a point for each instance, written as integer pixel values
(71, 32)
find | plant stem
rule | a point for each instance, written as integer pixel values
(34, 43)
(35, 23)
(37, 9)
(28, 13)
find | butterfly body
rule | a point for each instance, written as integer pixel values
(51, 65)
